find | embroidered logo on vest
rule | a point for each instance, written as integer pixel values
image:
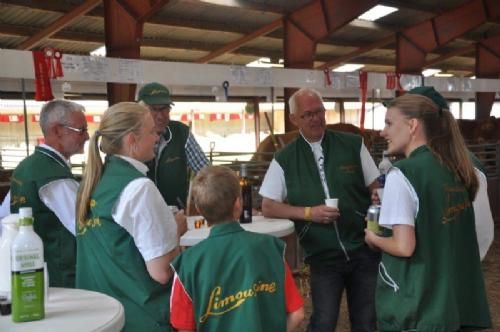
(91, 222)
(454, 209)
(18, 199)
(349, 169)
(219, 306)
(171, 160)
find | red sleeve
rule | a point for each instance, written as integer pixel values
(293, 299)
(181, 307)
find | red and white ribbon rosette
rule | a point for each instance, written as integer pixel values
(47, 66)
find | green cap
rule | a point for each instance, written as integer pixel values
(155, 94)
(432, 94)
(429, 92)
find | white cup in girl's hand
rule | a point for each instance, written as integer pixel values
(332, 202)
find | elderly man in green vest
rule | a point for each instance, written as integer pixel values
(176, 151)
(323, 164)
(44, 182)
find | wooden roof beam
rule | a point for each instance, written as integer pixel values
(452, 54)
(240, 41)
(358, 52)
(415, 42)
(59, 24)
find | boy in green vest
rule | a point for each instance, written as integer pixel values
(175, 152)
(234, 280)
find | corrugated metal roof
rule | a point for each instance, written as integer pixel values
(186, 30)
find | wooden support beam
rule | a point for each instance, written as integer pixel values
(415, 42)
(487, 66)
(59, 24)
(124, 23)
(305, 27)
(444, 57)
(240, 41)
(358, 52)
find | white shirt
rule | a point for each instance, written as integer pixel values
(405, 203)
(60, 196)
(274, 185)
(143, 213)
(5, 207)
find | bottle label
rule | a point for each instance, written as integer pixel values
(27, 259)
(28, 295)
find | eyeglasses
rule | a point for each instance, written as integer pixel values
(160, 108)
(76, 130)
(309, 115)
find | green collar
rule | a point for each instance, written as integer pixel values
(419, 150)
(225, 229)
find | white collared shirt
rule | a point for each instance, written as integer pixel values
(143, 213)
(274, 185)
(60, 196)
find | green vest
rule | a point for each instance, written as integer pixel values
(235, 280)
(440, 287)
(344, 176)
(109, 262)
(59, 246)
(169, 171)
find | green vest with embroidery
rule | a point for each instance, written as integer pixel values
(440, 287)
(109, 262)
(344, 176)
(59, 246)
(169, 172)
(236, 280)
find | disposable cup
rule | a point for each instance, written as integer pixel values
(332, 202)
(380, 193)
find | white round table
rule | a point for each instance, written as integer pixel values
(74, 310)
(259, 224)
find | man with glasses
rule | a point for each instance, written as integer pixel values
(44, 182)
(176, 151)
(323, 164)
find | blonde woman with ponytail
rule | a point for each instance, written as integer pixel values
(430, 276)
(127, 236)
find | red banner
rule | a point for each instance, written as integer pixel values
(12, 118)
(43, 90)
(47, 66)
(392, 81)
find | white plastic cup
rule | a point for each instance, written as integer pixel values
(380, 193)
(332, 202)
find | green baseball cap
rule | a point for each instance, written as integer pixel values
(155, 94)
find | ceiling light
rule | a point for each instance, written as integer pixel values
(101, 51)
(265, 63)
(377, 12)
(348, 67)
(443, 74)
(430, 72)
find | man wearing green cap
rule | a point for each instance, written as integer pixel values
(175, 152)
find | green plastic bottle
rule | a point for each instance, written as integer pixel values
(27, 271)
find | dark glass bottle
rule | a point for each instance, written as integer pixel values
(246, 196)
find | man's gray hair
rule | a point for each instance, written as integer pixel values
(304, 91)
(57, 111)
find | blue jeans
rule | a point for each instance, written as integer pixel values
(359, 278)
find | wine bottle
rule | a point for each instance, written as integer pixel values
(246, 196)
